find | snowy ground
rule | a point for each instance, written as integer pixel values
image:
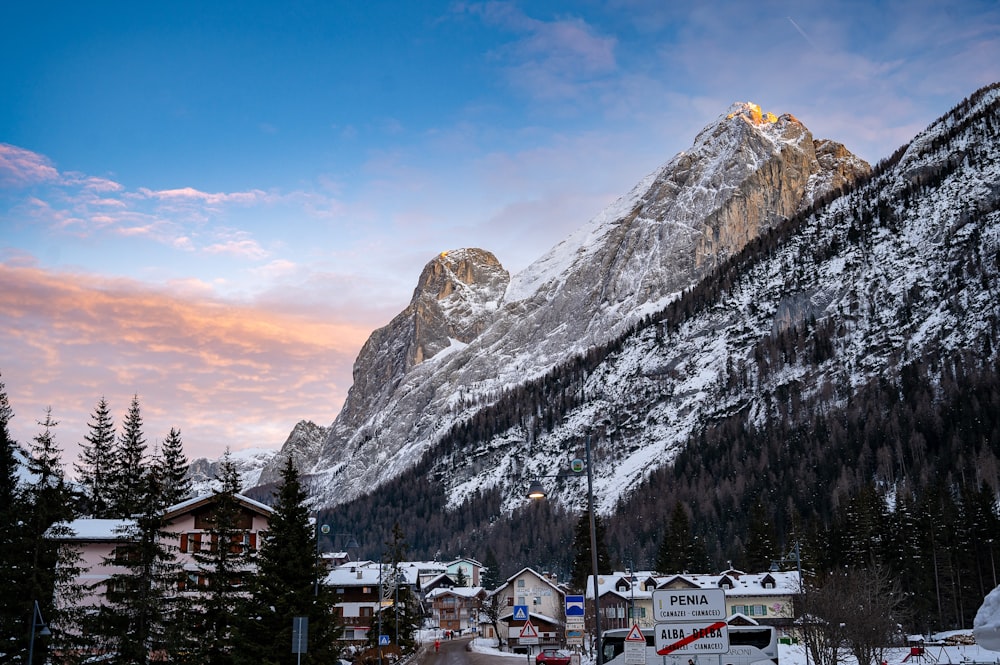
(795, 655)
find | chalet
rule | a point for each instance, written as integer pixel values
(763, 598)
(545, 603)
(456, 609)
(104, 544)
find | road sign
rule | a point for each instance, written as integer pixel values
(574, 636)
(520, 613)
(691, 638)
(700, 605)
(635, 646)
(635, 635)
(574, 606)
(383, 640)
(529, 635)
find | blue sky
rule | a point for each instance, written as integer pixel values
(211, 205)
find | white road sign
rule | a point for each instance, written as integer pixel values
(700, 605)
(691, 638)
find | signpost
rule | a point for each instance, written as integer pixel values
(635, 646)
(520, 613)
(575, 612)
(529, 634)
(300, 636)
(690, 621)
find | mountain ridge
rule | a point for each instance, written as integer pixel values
(745, 172)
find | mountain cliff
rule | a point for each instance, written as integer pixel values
(836, 383)
(469, 335)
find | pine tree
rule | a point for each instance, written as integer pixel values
(133, 615)
(97, 461)
(402, 622)
(226, 569)
(677, 552)
(286, 586)
(12, 509)
(759, 551)
(174, 469)
(128, 468)
(49, 501)
(582, 561)
(491, 570)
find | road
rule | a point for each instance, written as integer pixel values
(455, 652)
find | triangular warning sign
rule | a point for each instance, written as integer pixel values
(635, 635)
(528, 630)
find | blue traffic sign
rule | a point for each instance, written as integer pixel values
(574, 606)
(520, 613)
(383, 640)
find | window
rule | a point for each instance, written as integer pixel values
(510, 601)
(521, 600)
(537, 600)
(520, 584)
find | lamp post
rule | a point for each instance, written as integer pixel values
(324, 529)
(536, 491)
(36, 622)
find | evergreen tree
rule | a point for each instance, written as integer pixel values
(677, 552)
(402, 621)
(97, 461)
(582, 561)
(174, 469)
(129, 464)
(286, 586)
(226, 567)
(49, 501)
(133, 615)
(491, 571)
(759, 551)
(12, 509)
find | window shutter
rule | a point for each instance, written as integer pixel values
(184, 542)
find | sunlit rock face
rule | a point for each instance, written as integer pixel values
(471, 331)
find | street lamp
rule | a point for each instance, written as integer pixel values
(536, 491)
(324, 529)
(37, 622)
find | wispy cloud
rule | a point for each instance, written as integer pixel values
(226, 374)
(549, 59)
(23, 168)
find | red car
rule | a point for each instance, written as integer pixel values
(552, 657)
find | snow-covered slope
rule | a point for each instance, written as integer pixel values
(248, 463)
(904, 267)
(746, 172)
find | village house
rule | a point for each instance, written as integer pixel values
(104, 545)
(456, 609)
(544, 601)
(763, 598)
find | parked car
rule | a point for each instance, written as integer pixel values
(552, 657)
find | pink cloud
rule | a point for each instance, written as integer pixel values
(23, 168)
(227, 374)
(192, 194)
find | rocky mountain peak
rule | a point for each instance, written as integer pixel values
(486, 331)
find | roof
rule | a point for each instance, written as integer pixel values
(743, 584)
(89, 529)
(462, 591)
(192, 503)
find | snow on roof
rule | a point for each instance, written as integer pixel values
(780, 583)
(463, 591)
(187, 503)
(87, 528)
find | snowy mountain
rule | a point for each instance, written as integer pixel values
(468, 337)
(248, 462)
